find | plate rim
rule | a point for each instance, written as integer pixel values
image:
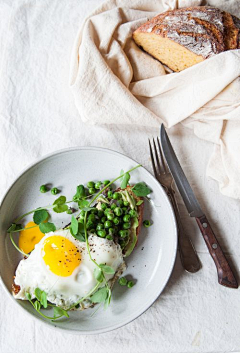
(116, 326)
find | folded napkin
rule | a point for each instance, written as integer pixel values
(114, 82)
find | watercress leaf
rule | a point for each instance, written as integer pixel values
(38, 293)
(84, 205)
(100, 296)
(107, 269)
(40, 216)
(125, 180)
(47, 227)
(79, 237)
(43, 299)
(12, 228)
(121, 174)
(60, 208)
(28, 296)
(98, 274)
(139, 202)
(59, 312)
(141, 189)
(37, 305)
(60, 201)
(80, 234)
(81, 192)
(74, 225)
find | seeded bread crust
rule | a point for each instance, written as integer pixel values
(183, 37)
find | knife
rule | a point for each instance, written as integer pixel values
(224, 271)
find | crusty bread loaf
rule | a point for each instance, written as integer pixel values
(184, 37)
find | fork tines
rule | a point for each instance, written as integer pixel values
(158, 163)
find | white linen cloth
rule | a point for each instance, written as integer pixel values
(38, 116)
(114, 82)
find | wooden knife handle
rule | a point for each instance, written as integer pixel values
(225, 273)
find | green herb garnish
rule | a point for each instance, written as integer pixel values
(40, 216)
(47, 227)
(141, 189)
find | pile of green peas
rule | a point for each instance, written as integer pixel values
(113, 219)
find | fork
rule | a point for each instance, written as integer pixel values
(188, 255)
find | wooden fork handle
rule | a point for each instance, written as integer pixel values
(224, 271)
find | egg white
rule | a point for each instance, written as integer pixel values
(33, 273)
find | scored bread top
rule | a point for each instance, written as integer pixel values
(204, 30)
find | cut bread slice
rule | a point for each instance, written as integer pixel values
(172, 54)
(183, 37)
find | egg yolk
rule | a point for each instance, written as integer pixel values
(30, 237)
(60, 255)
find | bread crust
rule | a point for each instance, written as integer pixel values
(202, 30)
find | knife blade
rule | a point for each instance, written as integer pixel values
(225, 274)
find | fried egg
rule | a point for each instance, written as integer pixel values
(29, 237)
(60, 265)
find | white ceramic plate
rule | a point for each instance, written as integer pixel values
(150, 264)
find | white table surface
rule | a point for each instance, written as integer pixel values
(38, 116)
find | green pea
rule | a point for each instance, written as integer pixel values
(108, 224)
(103, 206)
(101, 233)
(118, 211)
(110, 216)
(146, 223)
(116, 221)
(69, 211)
(91, 184)
(100, 226)
(111, 231)
(125, 210)
(90, 225)
(43, 189)
(126, 225)
(94, 210)
(116, 196)
(113, 206)
(122, 281)
(91, 218)
(100, 213)
(54, 191)
(123, 233)
(126, 218)
(126, 203)
(133, 213)
(103, 219)
(120, 203)
(130, 284)
(110, 194)
(98, 185)
(107, 211)
(106, 182)
(109, 237)
(92, 191)
(93, 231)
